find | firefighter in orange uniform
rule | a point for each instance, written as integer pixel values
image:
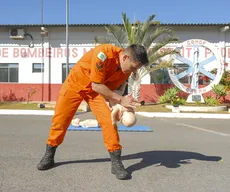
(94, 78)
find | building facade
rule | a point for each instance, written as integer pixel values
(26, 69)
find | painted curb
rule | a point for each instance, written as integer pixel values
(185, 115)
(25, 112)
(195, 109)
(145, 114)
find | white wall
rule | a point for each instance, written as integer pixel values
(80, 40)
(13, 51)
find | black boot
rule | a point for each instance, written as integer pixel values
(47, 161)
(117, 166)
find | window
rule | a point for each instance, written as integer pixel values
(180, 68)
(187, 79)
(64, 70)
(38, 68)
(8, 72)
(160, 76)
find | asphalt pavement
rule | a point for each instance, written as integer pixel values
(180, 155)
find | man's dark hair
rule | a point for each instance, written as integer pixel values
(138, 54)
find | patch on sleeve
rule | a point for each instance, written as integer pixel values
(101, 56)
(100, 65)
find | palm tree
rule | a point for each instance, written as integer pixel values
(142, 33)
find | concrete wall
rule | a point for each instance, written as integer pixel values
(80, 41)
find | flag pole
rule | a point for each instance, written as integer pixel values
(67, 38)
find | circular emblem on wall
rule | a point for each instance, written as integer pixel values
(199, 58)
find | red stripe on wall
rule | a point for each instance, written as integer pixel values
(20, 92)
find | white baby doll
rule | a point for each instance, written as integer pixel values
(86, 123)
(122, 114)
(119, 113)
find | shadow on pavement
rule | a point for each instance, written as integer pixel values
(169, 159)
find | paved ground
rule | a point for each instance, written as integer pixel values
(180, 155)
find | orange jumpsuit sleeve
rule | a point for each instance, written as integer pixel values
(98, 66)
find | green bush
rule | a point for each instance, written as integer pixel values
(168, 95)
(171, 96)
(211, 101)
(225, 80)
(176, 101)
(220, 90)
(163, 99)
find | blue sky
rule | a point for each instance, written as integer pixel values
(104, 11)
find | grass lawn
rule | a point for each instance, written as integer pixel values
(153, 108)
(162, 108)
(31, 106)
(144, 108)
(20, 105)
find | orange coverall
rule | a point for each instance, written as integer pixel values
(100, 65)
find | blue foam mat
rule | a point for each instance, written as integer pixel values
(136, 128)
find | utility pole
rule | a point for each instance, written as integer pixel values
(67, 38)
(42, 63)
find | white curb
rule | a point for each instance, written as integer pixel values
(146, 114)
(184, 115)
(25, 112)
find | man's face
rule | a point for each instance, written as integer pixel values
(127, 65)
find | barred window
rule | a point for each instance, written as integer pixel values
(160, 76)
(64, 70)
(8, 72)
(38, 68)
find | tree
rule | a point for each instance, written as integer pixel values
(142, 33)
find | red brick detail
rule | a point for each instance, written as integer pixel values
(49, 92)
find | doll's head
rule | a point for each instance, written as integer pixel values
(128, 119)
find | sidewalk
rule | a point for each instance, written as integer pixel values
(185, 115)
(85, 108)
(145, 114)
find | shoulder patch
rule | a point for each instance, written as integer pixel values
(100, 66)
(101, 56)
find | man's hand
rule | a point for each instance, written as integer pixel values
(128, 101)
